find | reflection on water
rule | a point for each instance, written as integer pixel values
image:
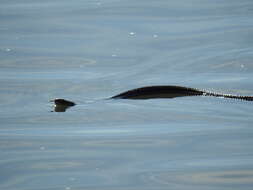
(88, 51)
(225, 178)
(179, 160)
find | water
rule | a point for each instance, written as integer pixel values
(86, 51)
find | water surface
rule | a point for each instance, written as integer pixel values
(86, 51)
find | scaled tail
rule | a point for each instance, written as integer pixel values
(247, 98)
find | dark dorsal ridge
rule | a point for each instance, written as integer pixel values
(151, 92)
(172, 92)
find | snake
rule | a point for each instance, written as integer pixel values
(151, 92)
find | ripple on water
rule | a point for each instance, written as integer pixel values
(225, 178)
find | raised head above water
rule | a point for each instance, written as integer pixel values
(60, 105)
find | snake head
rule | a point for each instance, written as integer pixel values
(60, 105)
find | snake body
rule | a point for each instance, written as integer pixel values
(172, 92)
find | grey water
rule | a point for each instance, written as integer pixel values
(86, 51)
